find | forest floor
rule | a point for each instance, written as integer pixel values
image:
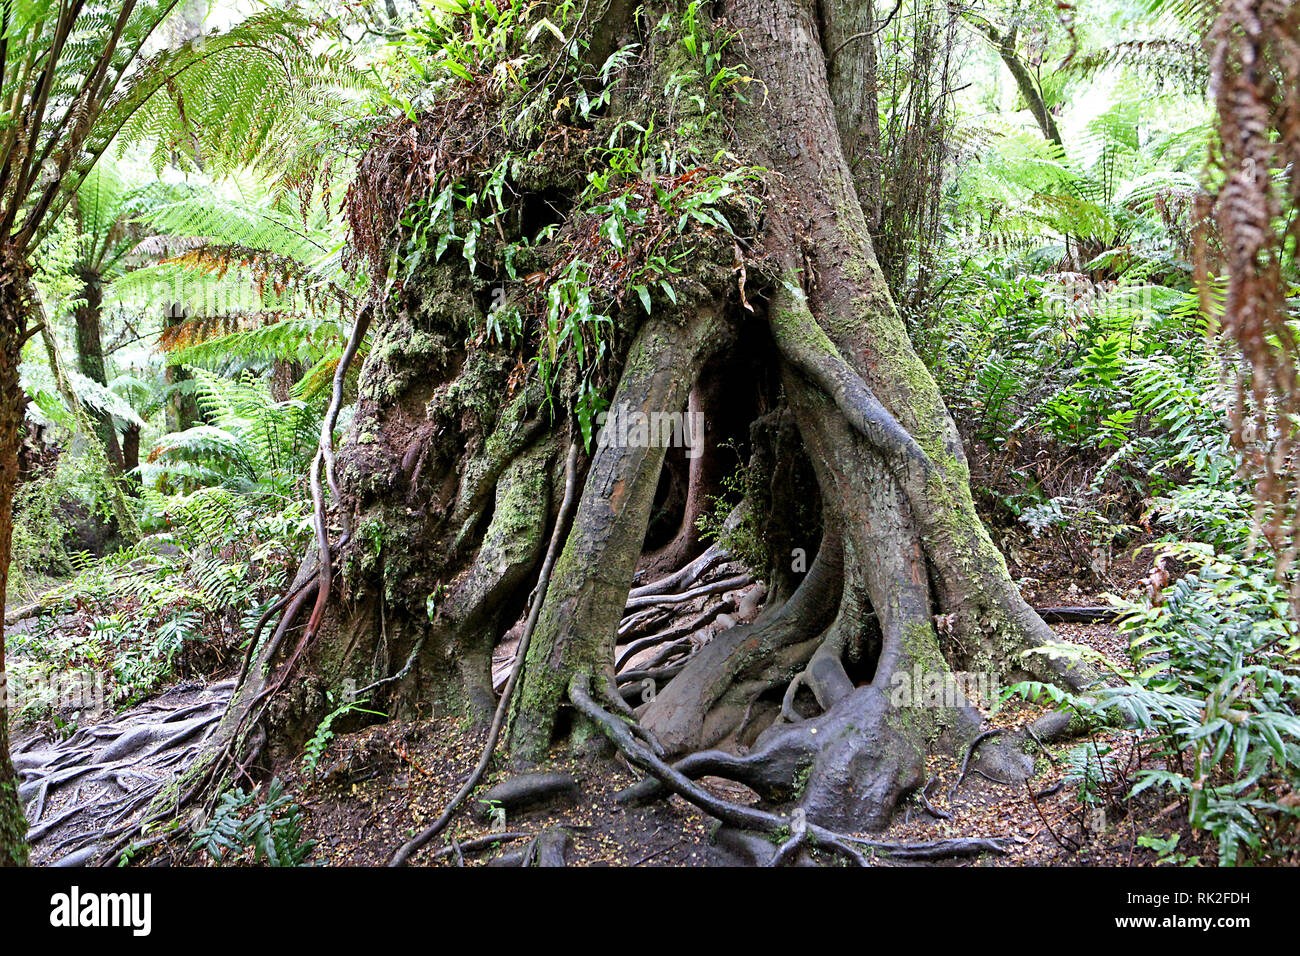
(375, 788)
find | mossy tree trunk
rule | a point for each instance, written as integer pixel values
(583, 607)
(889, 462)
(14, 278)
(450, 492)
(90, 359)
(834, 321)
(450, 482)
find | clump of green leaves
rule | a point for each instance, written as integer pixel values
(271, 831)
(1211, 691)
(741, 537)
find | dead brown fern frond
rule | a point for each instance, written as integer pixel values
(1254, 50)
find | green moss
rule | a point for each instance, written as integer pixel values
(801, 777)
(13, 825)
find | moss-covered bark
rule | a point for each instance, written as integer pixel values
(579, 620)
(13, 825)
(851, 323)
(13, 324)
(90, 358)
(450, 471)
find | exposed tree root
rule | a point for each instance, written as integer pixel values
(793, 830)
(717, 686)
(682, 597)
(312, 585)
(548, 849)
(1078, 615)
(970, 752)
(84, 792)
(685, 576)
(461, 847)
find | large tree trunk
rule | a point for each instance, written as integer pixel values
(13, 327)
(833, 320)
(448, 491)
(579, 622)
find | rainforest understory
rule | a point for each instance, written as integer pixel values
(785, 321)
(642, 485)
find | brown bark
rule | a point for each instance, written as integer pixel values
(90, 359)
(284, 375)
(13, 327)
(858, 338)
(579, 621)
(432, 451)
(722, 401)
(848, 36)
(449, 495)
(892, 474)
(131, 448)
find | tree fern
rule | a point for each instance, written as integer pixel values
(260, 276)
(252, 444)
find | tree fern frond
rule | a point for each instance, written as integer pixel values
(224, 94)
(252, 441)
(1158, 57)
(101, 398)
(272, 273)
(262, 336)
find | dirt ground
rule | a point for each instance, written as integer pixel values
(380, 786)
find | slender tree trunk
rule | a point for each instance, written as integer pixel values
(90, 359)
(131, 448)
(284, 375)
(13, 327)
(1005, 44)
(182, 406)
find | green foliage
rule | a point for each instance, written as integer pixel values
(1110, 200)
(229, 512)
(1071, 346)
(271, 831)
(707, 75)
(252, 444)
(1166, 850)
(520, 86)
(1215, 682)
(1212, 690)
(320, 740)
(742, 537)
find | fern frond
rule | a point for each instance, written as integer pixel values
(255, 337)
